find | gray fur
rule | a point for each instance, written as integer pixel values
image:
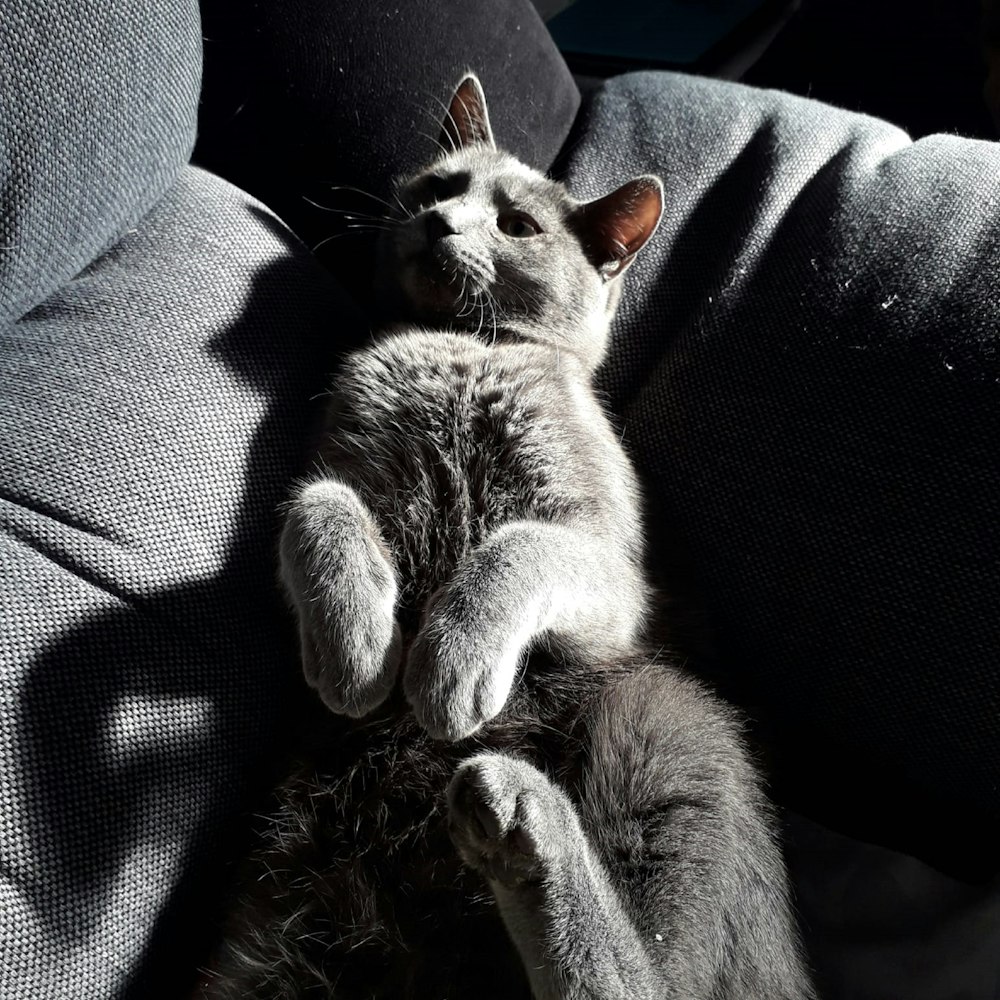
(474, 539)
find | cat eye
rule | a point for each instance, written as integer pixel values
(518, 224)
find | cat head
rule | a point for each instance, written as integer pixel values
(491, 246)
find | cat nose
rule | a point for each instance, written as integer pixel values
(437, 227)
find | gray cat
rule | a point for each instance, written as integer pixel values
(467, 576)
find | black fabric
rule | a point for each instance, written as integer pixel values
(881, 925)
(807, 368)
(151, 420)
(97, 116)
(303, 97)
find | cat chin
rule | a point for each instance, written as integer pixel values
(428, 289)
(429, 301)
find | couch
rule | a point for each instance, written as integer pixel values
(805, 367)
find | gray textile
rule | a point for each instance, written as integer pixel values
(150, 423)
(97, 115)
(809, 378)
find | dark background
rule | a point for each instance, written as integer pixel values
(920, 65)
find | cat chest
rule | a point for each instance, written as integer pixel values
(443, 453)
(471, 447)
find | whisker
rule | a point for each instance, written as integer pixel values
(437, 143)
(450, 117)
(350, 213)
(361, 191)
(482, 316)
(525, 297)
(493, 309)
(406, 212)
(468, 300)
(329, 239)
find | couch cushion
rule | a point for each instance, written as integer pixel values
(807, 368)
(97, 117)
(151, 420)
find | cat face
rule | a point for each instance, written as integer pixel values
(491, 246)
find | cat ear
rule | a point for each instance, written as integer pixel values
(613, 229)
(467, 122)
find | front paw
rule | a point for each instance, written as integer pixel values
(344, 593)
(508, 820)
(352, 664)
(456, 681)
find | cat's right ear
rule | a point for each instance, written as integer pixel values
(467, 122)
(613, 229)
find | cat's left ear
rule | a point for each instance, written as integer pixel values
(467, 122)
(613, 229)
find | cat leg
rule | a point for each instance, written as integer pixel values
(674, 808)
(337, 572)
(528, 581)
(521, 832)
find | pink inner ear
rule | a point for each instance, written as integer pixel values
(467, 121)
(615, 228)
(635, 215)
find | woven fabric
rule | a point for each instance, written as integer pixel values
(807, 368)
(151, 421)
(98, 108)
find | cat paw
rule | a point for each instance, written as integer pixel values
(507, 820)
(355, 671)
(457, 679)
(344, 592)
